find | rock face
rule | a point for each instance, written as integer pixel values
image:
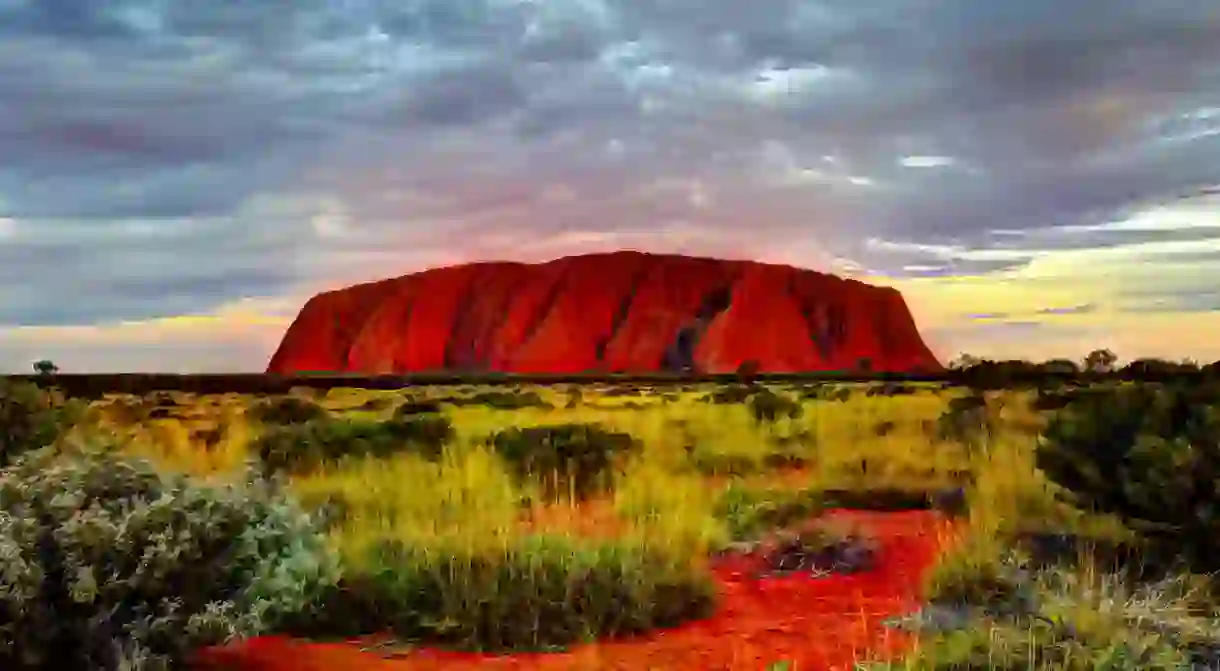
(616, 312)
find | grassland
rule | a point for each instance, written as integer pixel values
(711, 467)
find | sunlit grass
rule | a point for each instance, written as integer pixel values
(840, 442)
(665, 499)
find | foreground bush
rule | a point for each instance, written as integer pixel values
(1150, 455)
(767, 406)
(749, 512)
(31, 418)
(535, 593)
(106, 564)
(301, 448)
(1055, 616)
(287, 410)
(732, 394)
(967, 420)
(502, 400)
(576, 460)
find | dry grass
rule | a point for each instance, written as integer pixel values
(468, 502)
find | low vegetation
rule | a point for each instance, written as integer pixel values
(109, 564)
(543, 517)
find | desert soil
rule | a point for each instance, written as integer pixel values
(814, 623)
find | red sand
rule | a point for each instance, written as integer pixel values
(818, 624)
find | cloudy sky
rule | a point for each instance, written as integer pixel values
(179, 176)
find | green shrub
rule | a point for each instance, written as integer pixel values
(31, 418)
(992, 586)
(540, 593)
(731, 394)
(785, 458)
(819, 549)
(578, 460)
(827, 393)
(375, 404)
(967, 420)
(413, 408)
(1150, 455)
(767, 406)
(1042, 646)
(106, 562)
(503, 400)
(889, 389)
(300, 448)
(287, 410)
(721, 464)
(1051, 399)
(748, 512)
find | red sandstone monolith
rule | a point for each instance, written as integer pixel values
(615, 312)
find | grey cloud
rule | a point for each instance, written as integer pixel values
(561, 45)
(54, 276)
(1054, 197)
(466, 96)
(1084, 308)
(1204, 258)
(142, 109)
(1201, 302)
(70, 19)
(1031, 94)
(108, 195)
(1059, 239)
(475, 23)
(1161, 300)
(910, 261)
(1207, 303)
(917, 271)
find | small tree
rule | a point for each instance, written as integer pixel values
(1100, 361)
(748, 370)
(864, 365)
(964, 361)
(45, 367)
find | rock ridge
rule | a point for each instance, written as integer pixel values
(612, 312)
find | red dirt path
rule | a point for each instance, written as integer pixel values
(818, 624)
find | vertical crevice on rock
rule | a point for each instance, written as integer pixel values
(459, 346)
(679, 357)
(544, 309)
(494, 316)
(621, 312)
(349, 335)
(813, 310)
(836, 328)
(343, 321)
(819, 331)
(396, 361)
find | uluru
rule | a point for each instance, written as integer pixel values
(629, 312)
